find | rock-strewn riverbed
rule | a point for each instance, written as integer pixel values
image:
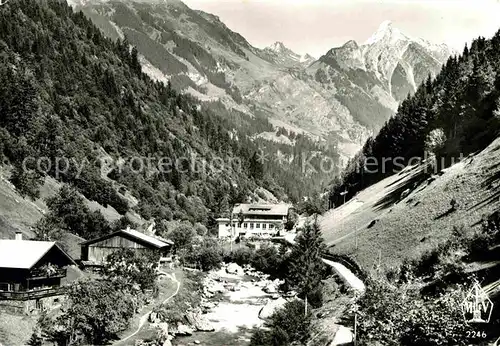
(233, 299)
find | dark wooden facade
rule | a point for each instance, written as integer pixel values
(96, 251)
(41, 280)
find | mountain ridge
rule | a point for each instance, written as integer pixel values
(202, 56)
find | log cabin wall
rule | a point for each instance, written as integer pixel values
(98, 252)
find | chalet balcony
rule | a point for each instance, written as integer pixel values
(32, 294)
(44, 273)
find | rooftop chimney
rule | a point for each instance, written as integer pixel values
(19, 236)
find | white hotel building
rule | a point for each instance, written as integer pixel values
(256, 219)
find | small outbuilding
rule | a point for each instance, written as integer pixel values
(95, 251)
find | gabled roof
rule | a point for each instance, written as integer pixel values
(262, 209)
(156, 242)
(24, 254)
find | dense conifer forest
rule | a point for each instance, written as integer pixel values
(68, 91)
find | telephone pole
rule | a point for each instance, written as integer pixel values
(344, 193)
(231, 228)
(355, 341)
(355, 336)
(305, 307)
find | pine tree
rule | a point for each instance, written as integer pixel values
(134, 61)
(256, 167)
(306, 269)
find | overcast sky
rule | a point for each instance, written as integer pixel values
(315, 26)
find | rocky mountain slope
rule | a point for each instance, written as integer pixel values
(343, 97)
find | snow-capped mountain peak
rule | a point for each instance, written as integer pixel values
(386, 31)
(391, 63)
(278, 47)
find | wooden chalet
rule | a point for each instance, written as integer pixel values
(95, 251)
(31, 269)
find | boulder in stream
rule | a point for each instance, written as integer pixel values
(271, 306)
(184, 330)
(233, 268)
(199, 322)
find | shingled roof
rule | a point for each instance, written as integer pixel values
(156, 242)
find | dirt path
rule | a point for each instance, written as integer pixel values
(144, 318)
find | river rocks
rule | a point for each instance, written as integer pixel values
(207, 305)
(215, 287)
(141, 342)
(162, 330)
(271, 306)
(153, 317)
(233, 268)
(184, 330)
(270, 288)
(343, 336)
(199, 322)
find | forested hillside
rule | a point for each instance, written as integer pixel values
(67, 91)
(455, 114)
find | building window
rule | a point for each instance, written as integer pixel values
(251, 225)
(245, 225)
(271, 226)
(257, 225)
(264, 226)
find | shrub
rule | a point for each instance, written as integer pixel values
(94, 312)
(27, 183)
(435, 141)
(207, 254)
(133, 267)
(200, 229)
(123, 223)
(68, 211)
(267, 260)
(399, 315)
(182, 235)
(242, 255)
(287, 326)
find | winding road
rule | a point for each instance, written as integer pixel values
(144, 318)
(347, 275)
